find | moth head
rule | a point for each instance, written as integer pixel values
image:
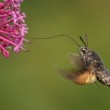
(84, 51)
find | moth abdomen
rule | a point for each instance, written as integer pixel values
(103, 77)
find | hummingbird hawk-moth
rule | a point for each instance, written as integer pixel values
(91, 66)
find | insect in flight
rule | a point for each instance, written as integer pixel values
(90, 63)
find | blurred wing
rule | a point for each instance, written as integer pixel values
(81, 77)
(85, 77)
(67, 74)
(76, 60)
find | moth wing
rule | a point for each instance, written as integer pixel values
(76, 60)
(85, 77)
(67, 74)
(80, 77)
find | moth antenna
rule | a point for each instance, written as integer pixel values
(83, 41)
(61, 35)
(86, 40)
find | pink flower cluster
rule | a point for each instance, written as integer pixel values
(12, 27)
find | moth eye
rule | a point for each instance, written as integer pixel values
(84, 51)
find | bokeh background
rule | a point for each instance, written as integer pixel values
(29, 81)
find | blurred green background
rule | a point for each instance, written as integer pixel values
(29, 81)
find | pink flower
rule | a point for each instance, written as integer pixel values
(12, 27)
